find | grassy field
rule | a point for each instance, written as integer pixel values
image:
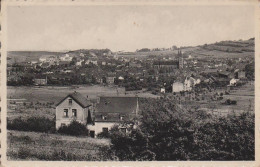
(244, 95)
(42, 100)
(42, 146)
(56, 93)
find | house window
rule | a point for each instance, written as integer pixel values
(92, 133)
(105, 130)
(70, 101)
(123, 130)
(62, 124)
(121, 117)
(103, 117)
(74, 112)
(65, 112)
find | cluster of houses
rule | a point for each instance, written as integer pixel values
(99, 116)
(228, 79)
(113, 68)
(54, 60)
(65, 59)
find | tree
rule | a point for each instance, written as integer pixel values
(250, 71)
(73, 61)
(228, 138)
(165, 132)
(74, 128)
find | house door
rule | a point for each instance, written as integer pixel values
(92, 133)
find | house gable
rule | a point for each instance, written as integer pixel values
(78, 98)
(72, 107)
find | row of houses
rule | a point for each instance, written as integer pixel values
(54, 59)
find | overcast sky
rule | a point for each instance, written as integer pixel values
(125, 27)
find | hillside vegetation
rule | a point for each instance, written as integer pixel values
(226, 49)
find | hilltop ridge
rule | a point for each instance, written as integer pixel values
(220, 49)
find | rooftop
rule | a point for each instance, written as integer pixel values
(79, 98)
(114, 107)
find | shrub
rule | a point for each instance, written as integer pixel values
(74, 128)
(165, 133)
(103, 135)
(23, 153)
(36, 124)
(26, 139)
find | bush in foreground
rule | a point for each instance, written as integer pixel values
(36, 124)
(103, 135)
(166, 134)
(74, 128)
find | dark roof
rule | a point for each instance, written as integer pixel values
(46, 64)
(115, 107)
(64, 62)
(166, 63)
(40, 77)
(224, 73)
(210, 71)
(79, 98)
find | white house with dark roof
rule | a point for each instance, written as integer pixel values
(110, 111)
(107, 112)
(73, 107)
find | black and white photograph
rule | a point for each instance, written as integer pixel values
(130, 82)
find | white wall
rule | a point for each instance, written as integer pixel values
(177, 87)
(81, 113)
(99, 125)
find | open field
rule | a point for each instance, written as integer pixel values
(56, 93)
(42, 146)
(27, 101)
(204, 53)
(37, 110)
(244, 95)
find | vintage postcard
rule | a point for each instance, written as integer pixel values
(129, 83)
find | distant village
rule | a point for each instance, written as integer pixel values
(183, 78)
(170, 73)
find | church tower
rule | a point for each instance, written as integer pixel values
(180, 59)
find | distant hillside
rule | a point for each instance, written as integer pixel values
(23, 56)
(240, 48)
(221, 49)
(226, 49)
(26, 56)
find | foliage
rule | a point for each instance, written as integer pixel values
(130, 146)
(23, 153)
(74, 128)
(250, 71)
(166, 132)
(55, 147)
(228, 138)
(36, 124)
(103, 135)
